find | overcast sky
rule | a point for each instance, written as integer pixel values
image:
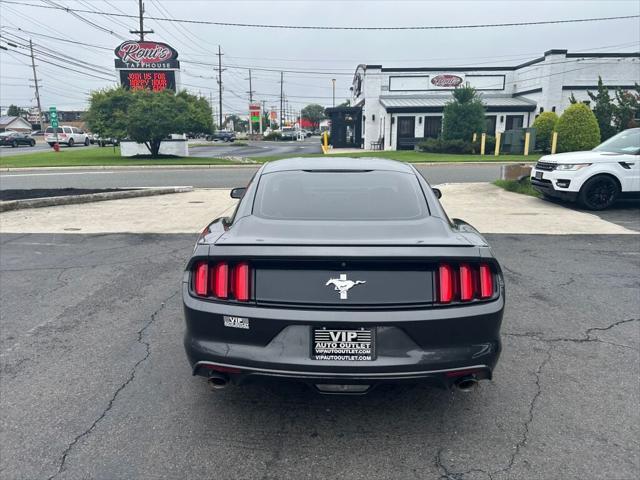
(333, 54)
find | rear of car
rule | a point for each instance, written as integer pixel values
(342, 280)
(595, 178)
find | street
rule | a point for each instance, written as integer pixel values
(218, 177)
(100, 316)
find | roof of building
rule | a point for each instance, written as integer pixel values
(7, 119)
(439, 101)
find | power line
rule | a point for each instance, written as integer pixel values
(51, 5)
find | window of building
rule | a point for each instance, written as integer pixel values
(491, 124)
(432, 127)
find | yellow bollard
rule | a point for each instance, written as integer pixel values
(497, 150)
(527, 138)
(554, 142)
(325, 142)
(475, 136)
(483, 139)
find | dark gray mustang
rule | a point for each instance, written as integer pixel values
(343, 274)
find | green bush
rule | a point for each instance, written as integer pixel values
(464, 115)
(439, 145)
(273, 136)
(545, 124)
(577, 129)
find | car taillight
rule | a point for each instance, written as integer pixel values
(200, 277)
(222, 280)
(241, 282)
(486, 281)
(464, 283)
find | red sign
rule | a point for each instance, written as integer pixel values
(134, 54)
(148, 80)
(446, 81)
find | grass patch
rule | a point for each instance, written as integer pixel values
(415, 157)
(86, 157)
(523, 186)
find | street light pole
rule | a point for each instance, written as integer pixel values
(333, 81)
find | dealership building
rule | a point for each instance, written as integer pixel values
(394, 108)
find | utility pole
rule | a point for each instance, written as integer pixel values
(333, 80)
(281, 97)
(220, 84)
(142, 31)
(250, 103)
(35, 80)
(213, 114)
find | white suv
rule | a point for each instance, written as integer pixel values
(67, 135)
(595, 178)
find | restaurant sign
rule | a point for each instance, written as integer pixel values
(446, 81)
(147, 54)
(155, 80)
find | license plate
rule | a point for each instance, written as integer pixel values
(539, 175)
(348, 345)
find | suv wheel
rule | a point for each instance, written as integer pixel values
(14, 144)
(86, 142)
(70, 144)
(32, 143)
(599, 192)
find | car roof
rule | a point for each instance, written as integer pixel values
(336, 164)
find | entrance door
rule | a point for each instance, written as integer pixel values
(514, 122)
(432, 127)
(491, 124)
(406, 133)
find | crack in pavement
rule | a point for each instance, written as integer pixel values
(131, 377)
(585, 339)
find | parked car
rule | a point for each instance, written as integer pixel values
(104, 141)
(342, 274)
(288, 133)
(595, 178)
(67, 135)
(37, 133)
(15, 139)
(223, 135)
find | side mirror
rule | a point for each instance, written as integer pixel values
(238, 192)
(437, 192)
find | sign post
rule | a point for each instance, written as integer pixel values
(53, 118)
(254, 115)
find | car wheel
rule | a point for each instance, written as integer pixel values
(14, 144)
(70, 144)
(599, 192)
(86, 142)
(32, 143)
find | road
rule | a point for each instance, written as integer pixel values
(95, 383)
(218, 177)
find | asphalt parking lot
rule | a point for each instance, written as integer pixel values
(95, 384)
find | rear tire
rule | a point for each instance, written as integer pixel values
(32, 143)
(14, 144)
(86, 142)
(70, 144)
(599, 192)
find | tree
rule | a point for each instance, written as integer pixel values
(603, 110)
(314, 113)
(147, 117)
(15, 111)
(572, 99)
(464, 115)
(626, 114)
(577, 129)
(545, 124)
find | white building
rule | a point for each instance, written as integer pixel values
(400, 106)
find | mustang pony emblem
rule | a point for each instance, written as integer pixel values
(343, 285)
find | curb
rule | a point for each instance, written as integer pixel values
(88, 198)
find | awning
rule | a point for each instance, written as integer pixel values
(436, 103)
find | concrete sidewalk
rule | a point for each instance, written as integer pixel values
(488, 208)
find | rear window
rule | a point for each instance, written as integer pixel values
(50, 130)
(323, 195)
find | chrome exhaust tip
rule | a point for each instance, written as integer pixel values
(467, 384)
(218, 381)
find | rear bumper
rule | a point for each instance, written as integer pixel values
(436, 345)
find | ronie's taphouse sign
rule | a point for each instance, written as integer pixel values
(147, 65)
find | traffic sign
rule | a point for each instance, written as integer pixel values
(53, 116)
